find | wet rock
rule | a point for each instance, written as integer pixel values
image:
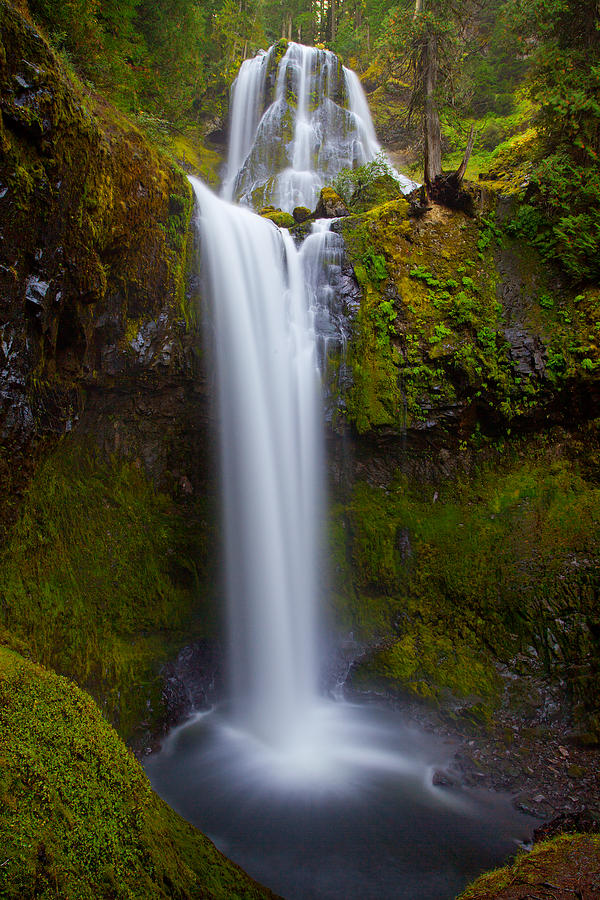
(526, 351)
(301, 214)
(192, 682)
(442, 779)
(35, 292)
(583, 821)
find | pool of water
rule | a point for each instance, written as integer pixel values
(343, 808)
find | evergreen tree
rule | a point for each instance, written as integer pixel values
(563, 40)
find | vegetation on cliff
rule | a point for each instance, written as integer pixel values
(78, 818)
(97, 338)
(99, 577)
(450, 577)
(95, 238)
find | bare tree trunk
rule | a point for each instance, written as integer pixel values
(431, 120)
(460, 172)
(333, 23)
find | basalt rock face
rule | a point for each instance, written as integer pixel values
(94, 226)
(463, 337)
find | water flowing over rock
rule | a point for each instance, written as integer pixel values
(271, 462)
(298, 118)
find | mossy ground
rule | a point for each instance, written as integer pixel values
(78, 819)
(101, 578)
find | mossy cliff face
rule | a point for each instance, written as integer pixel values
(466, 533)
(461, 333)
(98, 340)
(95, 228)
(78, 818)
(104, 579)
(454, 581)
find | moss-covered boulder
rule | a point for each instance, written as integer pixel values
(301, 214)
(278, 217)
(564, 867)
(330, 205)
(78, 818)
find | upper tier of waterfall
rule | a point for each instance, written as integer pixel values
(298, 117)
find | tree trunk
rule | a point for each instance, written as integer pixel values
(460, 172)
(333, 22)
(431, 121)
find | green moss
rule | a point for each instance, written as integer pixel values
(445, 358)
(278, 217)
(437, 668)
(99, 577)
(373, 354)
(191, 153)
(557, 862)
(497, 564)
(78, 818)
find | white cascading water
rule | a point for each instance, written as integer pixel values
(271, 446)
(296, 122)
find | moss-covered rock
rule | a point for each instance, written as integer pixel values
(461, 331)
(447, 580)
(567, 866)
(301, 214)
(330, 205)
(100, 579)
(278, 217)
(78, 818)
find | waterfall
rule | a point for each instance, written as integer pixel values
(270, 424)
(297, 120)
(286, 782)
(298, 117)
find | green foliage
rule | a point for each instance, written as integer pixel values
(565, 82)
(367, 185)
(78, 818)
(165, 62)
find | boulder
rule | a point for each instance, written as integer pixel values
(330, 205)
